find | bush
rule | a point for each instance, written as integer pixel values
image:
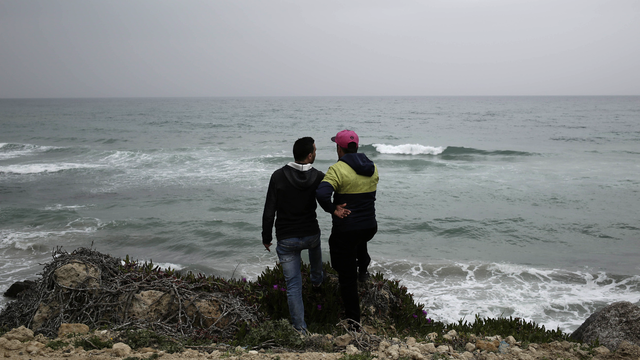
(272, 333)
(137, 339)
(92, 343)
(56, 344)
(322, 309)
(386, 305)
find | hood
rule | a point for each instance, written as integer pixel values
(360, 163)
(301, 179)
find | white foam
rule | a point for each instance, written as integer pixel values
(167, 265)
(163, 266)
(186, 168)
(43, 168)
(26, 240)
(409, 149)
(9, 151)
(58, 207)
(550, 297)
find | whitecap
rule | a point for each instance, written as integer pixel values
(59, 207)
(9, 151)
(28, 240)
(27, 169)
(550, 297)
(409, 149)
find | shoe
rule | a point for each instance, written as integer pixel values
(317, 288)
(363, 276)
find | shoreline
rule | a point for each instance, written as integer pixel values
(161, 312)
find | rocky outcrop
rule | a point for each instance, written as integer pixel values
(66, 329)
(18, 287)
(206, 313)
(611, 326)
(92, 289)
(78, 274)
(151, 305)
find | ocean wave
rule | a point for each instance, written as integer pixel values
(551, 297)
(451, 291)
(60, 207)
(29, 240)
(408, 149)
(455, 150)
(448, 151)
(11, 150)
(27, 169)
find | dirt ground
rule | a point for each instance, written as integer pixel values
(20, 344)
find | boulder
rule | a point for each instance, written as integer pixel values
(152, 305)
(18, 287)
(205, 313)
(10, 344)
(485, 345)
(44, 313)
(66, 329)
(78, 275)
(611, 326)
(121, 349)
(21, 334)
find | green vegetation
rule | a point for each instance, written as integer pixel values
(272, 333)
(137, 339)
(56, 344)
(256, 312)
(386, 304)
(92, 343)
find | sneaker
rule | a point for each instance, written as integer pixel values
(363, 276)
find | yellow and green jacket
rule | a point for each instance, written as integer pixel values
(352, 180)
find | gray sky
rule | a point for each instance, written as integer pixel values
(147, 48)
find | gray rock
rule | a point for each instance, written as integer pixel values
(611, 326)
(18, 287)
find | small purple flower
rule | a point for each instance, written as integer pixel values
(244, 279)
(428, 321)
(319, 307)
(415, 316)
(275, 287)
(283, 289)
(424, 312)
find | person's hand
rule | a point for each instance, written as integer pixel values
(341, 211)
(266, 246)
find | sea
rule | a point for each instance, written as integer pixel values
(509, 206)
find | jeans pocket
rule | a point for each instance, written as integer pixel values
(285, 258)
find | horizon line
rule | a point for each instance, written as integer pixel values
(289, 96)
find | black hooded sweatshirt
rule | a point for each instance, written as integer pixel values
(291, 201)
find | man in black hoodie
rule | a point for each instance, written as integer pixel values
(291, 202)
(353, 182)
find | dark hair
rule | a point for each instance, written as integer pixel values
(352, 149)
(302, 147)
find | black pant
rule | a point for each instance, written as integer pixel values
(349, 254)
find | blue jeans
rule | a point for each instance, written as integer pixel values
(288, 251)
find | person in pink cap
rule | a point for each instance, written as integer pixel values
(352, 182)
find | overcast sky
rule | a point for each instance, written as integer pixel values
(149, 48)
